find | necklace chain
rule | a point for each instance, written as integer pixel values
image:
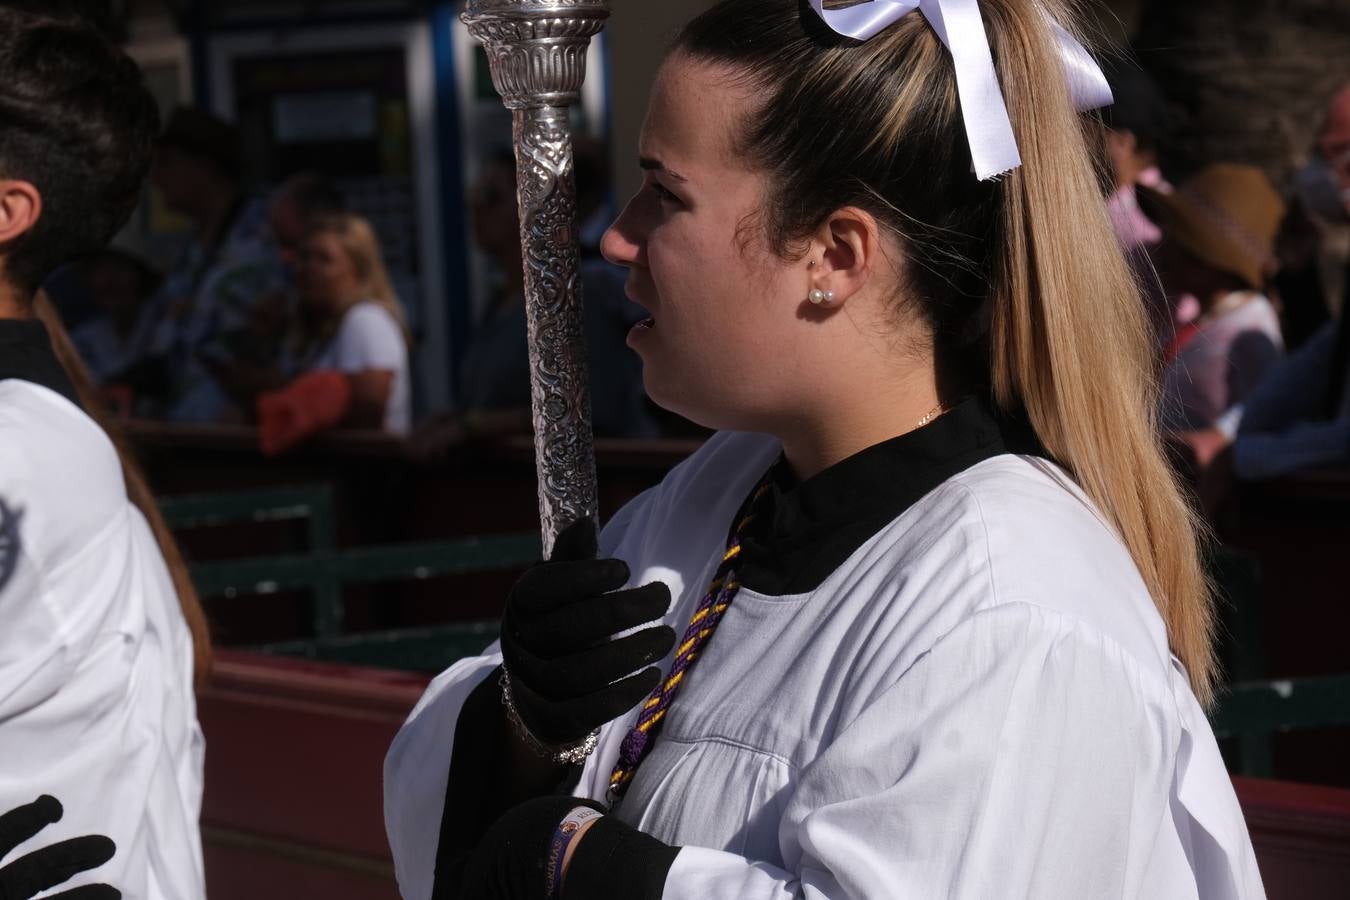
(930, 415)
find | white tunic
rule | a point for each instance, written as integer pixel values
(96, 703)
(979, 703)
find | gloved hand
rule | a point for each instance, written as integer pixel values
(512, 859)
(568, 676)
(50, 866)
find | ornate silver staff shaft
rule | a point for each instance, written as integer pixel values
(537, 53)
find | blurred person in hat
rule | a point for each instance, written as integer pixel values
(210, 297)
(1300, 417)
(1218, 247)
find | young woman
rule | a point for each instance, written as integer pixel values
(351, 321)
(943, 632)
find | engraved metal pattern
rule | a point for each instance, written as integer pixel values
(537, 54)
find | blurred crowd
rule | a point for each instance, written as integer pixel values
(1245, 288)
(279, 311)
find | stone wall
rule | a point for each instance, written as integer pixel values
(1247, 80)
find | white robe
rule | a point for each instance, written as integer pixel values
(96, 702)
(979, 703)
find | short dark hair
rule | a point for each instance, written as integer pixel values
(205, 136)
(148, 278)
(76, 121)
(1138, 105)
(315, 194)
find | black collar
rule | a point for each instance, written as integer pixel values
(801, 531)
(26, 354)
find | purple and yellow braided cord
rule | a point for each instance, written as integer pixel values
(639, 741)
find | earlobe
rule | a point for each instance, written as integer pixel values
(20, 207)
(842, 254)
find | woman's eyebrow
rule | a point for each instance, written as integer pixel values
(647, 164)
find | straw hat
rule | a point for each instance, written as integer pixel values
(1226, 215)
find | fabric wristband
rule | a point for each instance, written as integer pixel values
(563, 836)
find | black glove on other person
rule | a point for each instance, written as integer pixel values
(49, 866)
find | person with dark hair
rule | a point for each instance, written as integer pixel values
(926, 617)
(294, 207)
(494, 382)
(206, 307)
(102, 632)
(1136, 127)
(119, 286)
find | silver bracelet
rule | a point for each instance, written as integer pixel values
(567, 754)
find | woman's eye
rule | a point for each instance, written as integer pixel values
(664, 195)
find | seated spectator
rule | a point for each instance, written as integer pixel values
(1299, 418)
(494, 386)
(1313, 241)
(292, 210)
(118, 286)
(294, 207)
(349, 354)
(1218, 240)
(206, 307)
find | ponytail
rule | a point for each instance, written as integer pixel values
(138, 491)
(1069, 340)
(1019, 281)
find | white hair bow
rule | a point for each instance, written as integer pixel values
(960, 28)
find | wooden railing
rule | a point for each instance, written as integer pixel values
(293, 804)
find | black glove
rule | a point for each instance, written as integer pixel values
(567, 676)
(611, 860)
(47, 867)
(511, 860)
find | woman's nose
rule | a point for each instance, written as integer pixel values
(624, 241)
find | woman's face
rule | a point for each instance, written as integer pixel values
(721, 346)
(325, 275)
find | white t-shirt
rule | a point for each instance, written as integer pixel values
(1222, 363)
(370, 338)
(980, 702)
(96, 697)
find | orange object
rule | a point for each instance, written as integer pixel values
(311, 403)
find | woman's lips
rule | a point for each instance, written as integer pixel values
(638, 331)
(646, 324)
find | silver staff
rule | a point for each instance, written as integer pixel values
(537, 53)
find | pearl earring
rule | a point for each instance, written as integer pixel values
(820, 298)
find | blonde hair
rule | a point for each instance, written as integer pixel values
(1019, 281)
(138, 490)
(362, 246)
